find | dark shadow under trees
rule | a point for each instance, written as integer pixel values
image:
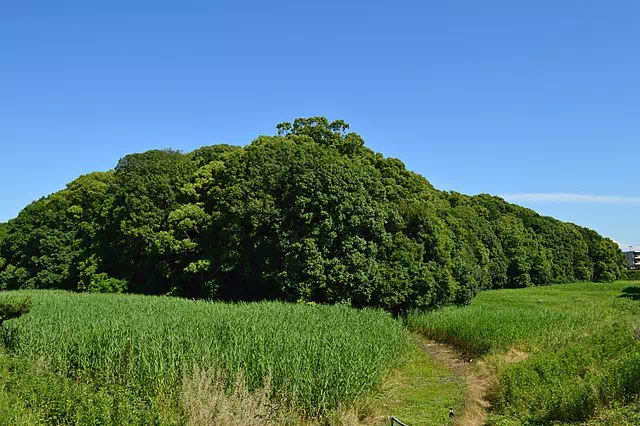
(632, 293)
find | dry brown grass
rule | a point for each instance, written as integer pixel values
(514, 356)
(207, 401)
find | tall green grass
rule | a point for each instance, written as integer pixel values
(582, 342)
(318, 358)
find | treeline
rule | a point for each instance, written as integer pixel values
(631, 275)
(308, 215)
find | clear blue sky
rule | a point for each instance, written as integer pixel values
(540, 99)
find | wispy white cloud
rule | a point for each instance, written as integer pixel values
(563, 197)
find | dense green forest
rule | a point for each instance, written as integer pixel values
(308, 215)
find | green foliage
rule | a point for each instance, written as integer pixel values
(318, 357)
(98, 282)
(581, 341)
(14, 309)
(45, 244)
(32, 395)
(310, 215)
(632, 275)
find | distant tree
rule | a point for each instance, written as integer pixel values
(146, 188)
(608, 263)
(308, 215)
(44, 245)
(3, 233)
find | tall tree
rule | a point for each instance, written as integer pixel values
(308, 215)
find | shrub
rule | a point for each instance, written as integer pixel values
(632, 275)
(14, 309)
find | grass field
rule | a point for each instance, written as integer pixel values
(146, 353)
(559, 354)
(564, 354)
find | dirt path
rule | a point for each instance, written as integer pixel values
(476, 375)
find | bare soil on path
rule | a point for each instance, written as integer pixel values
(476, 375)
(434, 379)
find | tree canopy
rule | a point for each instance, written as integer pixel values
(308, 215)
